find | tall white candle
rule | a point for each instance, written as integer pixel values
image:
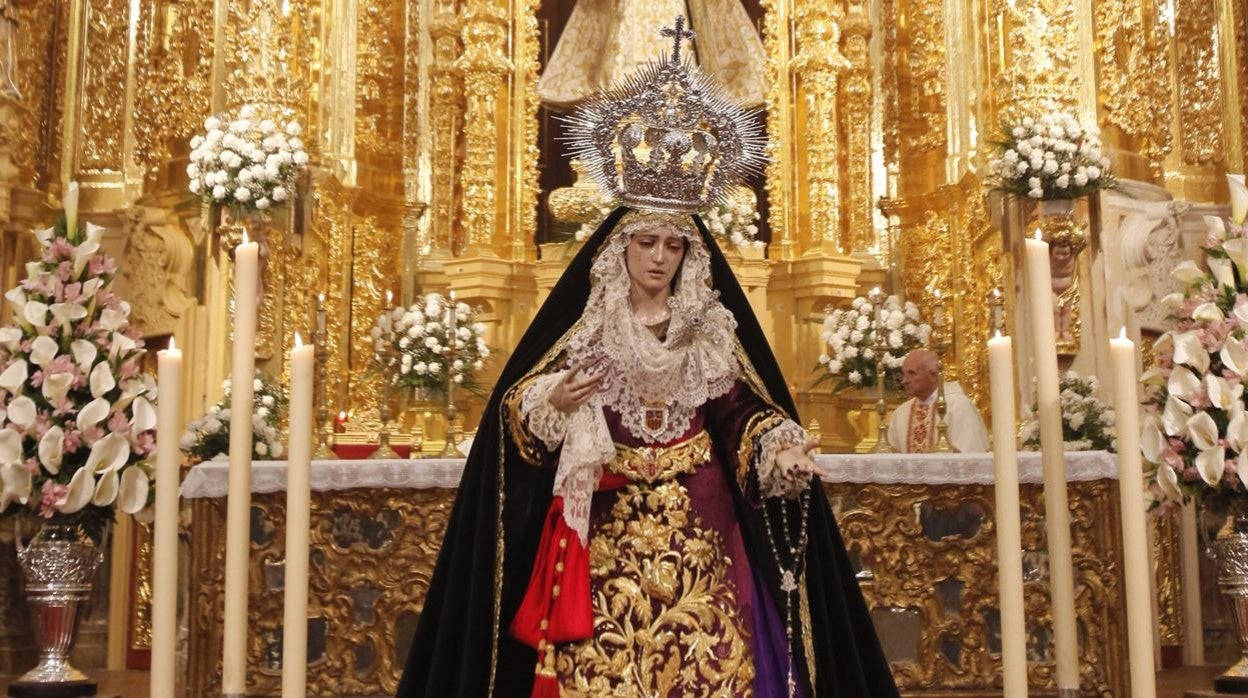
(70, 202)
(451, 340)
(320, 313)
(238, 503)
(1009, 527)
(1052, 453)
(165, 525)
(1136, 557)
(298, 522)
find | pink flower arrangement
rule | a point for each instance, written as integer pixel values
(77, 413)
(1197, 433)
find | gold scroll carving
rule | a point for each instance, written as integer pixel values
(817, 68)
(1037, 46)
(944, 537)
(1201, 137)
(267, 53)
(102, 118)
(373, 552)
(446, 116)
(777, 42)
(1134, 79)
(40, 80)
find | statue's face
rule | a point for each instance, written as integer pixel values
(1061, 257)
(653, 258)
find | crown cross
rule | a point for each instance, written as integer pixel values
(678, 33)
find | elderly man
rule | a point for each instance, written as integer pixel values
(912, 428)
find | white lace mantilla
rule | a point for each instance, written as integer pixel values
(209, 479)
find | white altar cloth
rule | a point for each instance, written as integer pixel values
(209, 479)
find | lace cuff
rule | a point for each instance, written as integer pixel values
(772, 480)
(543, 419)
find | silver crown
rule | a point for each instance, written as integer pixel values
(668, 138)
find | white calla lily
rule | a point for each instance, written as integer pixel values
(94, 232)
(84, 353)
(52, 449)
(22, 412)
(1216, 227)
(67, 313)
(10, 447)
(1237, 250)
(83, 254)
(44, 236)
(17, 299)
(1237, 430)
(1168, 483)
(1183, 384)
(111, 320)
(106, 489)
(56, 387)
(144, 415)
(122, 345)
(81, 490)
(43, 350)
(1223, 272)
(1164, 344)
(1211, 464)
(16, 483)
(109, 453)
(36, 313)
(1152, 441)
(90, 286)
(10, 337)
(102, 379)
(1209, 313)
(1189, 351)
(1152, 377)
(1187, 273)
(93, 413)
(1174, 417)
(14, 377)
(1239, 197)
(134, 488)
(1203, 431)
(1234, 356)
(1222, 394)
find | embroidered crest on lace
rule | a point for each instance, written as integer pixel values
(641, 373)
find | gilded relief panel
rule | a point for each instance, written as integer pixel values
(41, 46)
(103, 104)
(379, 90)
(332, 220)
(269, 52)
(1134, 75)
(172, 74)
(921, 83)
(1038, 40)
(1199, 82)
(374, 269)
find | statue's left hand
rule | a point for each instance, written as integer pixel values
(795, 462)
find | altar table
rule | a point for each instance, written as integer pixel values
(920, 529)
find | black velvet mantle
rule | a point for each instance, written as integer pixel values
(461, 647)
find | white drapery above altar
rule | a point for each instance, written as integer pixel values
(209, 479)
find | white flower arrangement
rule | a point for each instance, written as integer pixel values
(249, 163)
(849, 336)
(208, 438)
(415, 346)
(77, 412)
(1087, 422)
(1197, 432)
(1050, 157)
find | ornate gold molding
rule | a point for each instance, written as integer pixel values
(1199, 123)
(858, 99)
(267, 53)
(1134, 77)
(777, 42)
(446, 114)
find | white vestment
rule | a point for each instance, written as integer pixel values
(967, 432)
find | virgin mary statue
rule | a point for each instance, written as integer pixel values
(638, 516)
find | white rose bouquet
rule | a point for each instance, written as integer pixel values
(850, 339)
(249, 163)
(1051, 157)
(77, 414)
(1087, 422)
(208, 438)
(416, 348)
(1197, 434)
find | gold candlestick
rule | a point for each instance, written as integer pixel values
(880, 346)
(941, 346)
(323, 420)
(449, 449)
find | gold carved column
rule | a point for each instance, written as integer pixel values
(857, 96)
(816, 70)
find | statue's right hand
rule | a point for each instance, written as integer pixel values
(576, 388)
